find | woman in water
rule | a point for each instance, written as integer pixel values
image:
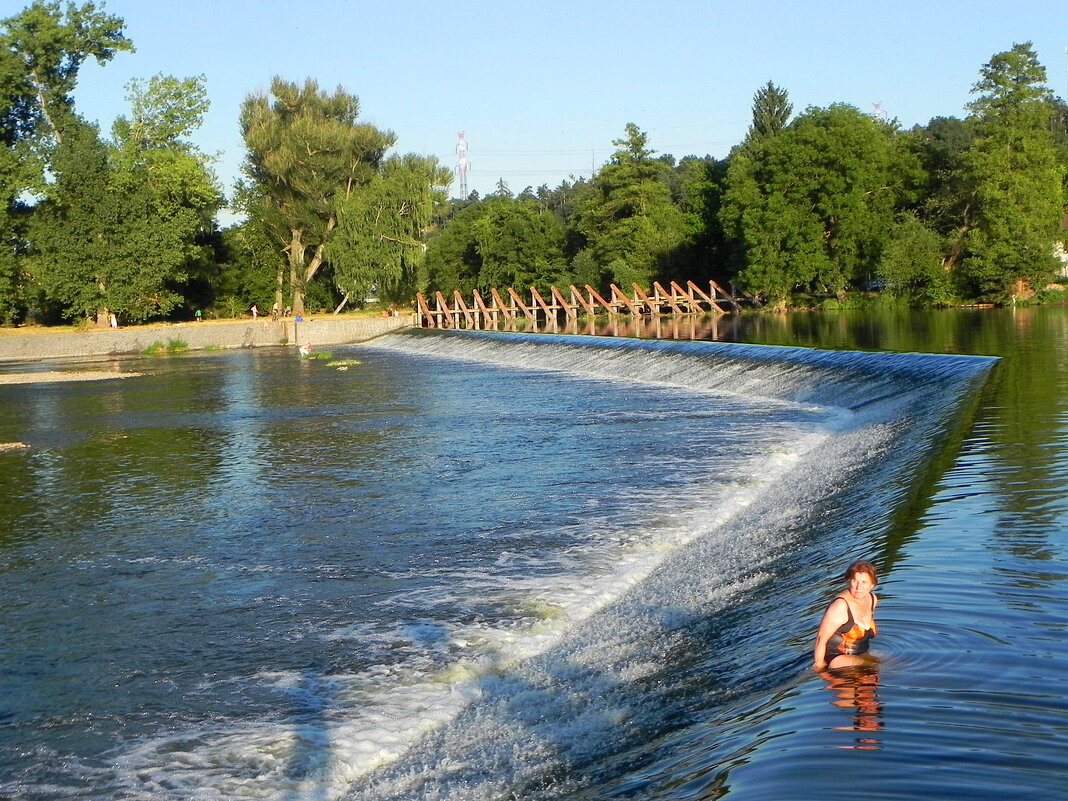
(850, 616)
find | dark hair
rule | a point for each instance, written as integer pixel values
(862, 567)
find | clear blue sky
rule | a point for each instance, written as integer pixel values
(541, 88)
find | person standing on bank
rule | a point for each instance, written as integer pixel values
(850, 617)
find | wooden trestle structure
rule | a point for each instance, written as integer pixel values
(486, 314)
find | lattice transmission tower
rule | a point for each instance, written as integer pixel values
(462, 164)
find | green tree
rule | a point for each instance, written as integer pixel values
(947, 203)
(382, 226)
(565, 202)
(775, 243)
(629, 223)
(520, 243)
(1059, 128)
(248, 267)
(811, 208)
(307, 151)
(41, 51)
(703, 255)
(13, 297)
(73, 230)
(771, 113)
(497, 243)
(1016, 176)
(453, 261)
(912, 264)
(163, 113)
(124, 226)
(48, 46)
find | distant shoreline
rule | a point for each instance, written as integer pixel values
(37, 344)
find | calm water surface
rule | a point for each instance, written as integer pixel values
(973, 695)
(456, 574)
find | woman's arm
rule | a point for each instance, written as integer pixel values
(836, 615)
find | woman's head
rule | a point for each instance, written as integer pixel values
(862, 567)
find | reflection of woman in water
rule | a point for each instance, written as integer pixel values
(856, 689)
(850, 617)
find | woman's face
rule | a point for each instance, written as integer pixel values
(860, 585)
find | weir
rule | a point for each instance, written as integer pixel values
(490, 313)
(845, 379)
(794, 456)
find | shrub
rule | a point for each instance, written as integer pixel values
(172, 346)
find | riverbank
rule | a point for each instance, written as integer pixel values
(33, 344)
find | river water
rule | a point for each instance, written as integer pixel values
(496, 566)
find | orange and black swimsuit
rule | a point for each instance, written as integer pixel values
(855, 639)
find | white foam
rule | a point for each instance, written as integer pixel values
(372, 718)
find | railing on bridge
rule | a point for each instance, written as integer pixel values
(487, 313)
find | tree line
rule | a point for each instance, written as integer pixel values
(822, 207)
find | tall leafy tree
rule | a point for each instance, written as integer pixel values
(520, 243)
(74, 230)
(630, 225)
(12, 297)
(49, 45)
(382, 227)
(913, 265)
(947, 204)
(248, 262)
(771, 112)
(497, 243)
(307, 151)
(1016, 176)
(453, 261)
(1059, 128)
(42, 49)
(164, 111)
(811, 208)
(703, 255)
(154, 145)
(125, 223)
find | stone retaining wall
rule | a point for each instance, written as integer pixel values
(317, 331)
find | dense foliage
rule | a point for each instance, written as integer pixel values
(821, 207)
(307, 154)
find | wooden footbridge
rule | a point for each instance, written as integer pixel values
(483, 313)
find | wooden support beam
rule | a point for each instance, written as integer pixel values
(619, 297)
(569, 308)
(508, 311)
(717, 290)
(594, 296)
(488, 316)
(736, 292)
(444, 314)
(710, 301)
(639, 294)
(577, 296)
(547, 310)
(685, 296)
(668, 299)
(519, 302)
(459, 305)
(423, 313)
